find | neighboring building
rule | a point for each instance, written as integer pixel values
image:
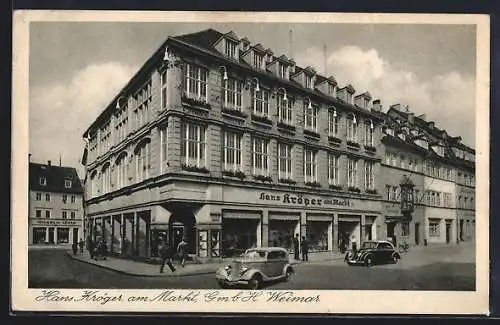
(56, 205)
(443, 170)
(221, 142)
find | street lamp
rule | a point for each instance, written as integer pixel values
(249, 80)
(118, 101)
(223, 68)
(284, 93)
(309, 106)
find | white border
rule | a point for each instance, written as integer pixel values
(345, 301)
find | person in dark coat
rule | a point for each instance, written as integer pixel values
(81, 244)
(166, 254)
(304, 245)
(296, 247)
(91, 247)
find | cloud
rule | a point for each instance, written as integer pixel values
(447, 99)
(61, 112)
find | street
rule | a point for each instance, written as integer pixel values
(444, 268)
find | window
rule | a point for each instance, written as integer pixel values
(233, 93)
(331, 90)
(366, 102)
(121, 170)
(143, 102)
(349, 98)
(43, 181)
(284, 161)
(65, 215)
(369, 134)
(352, 130)
(285, 109)
(38, 213)
(283, 71)
(308, 81)
(106, 179)
(142, 162)
(352, 175)
(258, 60)
(434, 229)
(67, 183)
(260, 102)
(47, 214)
(231, 49)
(402, 162)
(438, 199)
(232, 151)
(394, 193)
(310, 165)
(73, 214)
(388, 189)
(47, 197)
(369, 176)
(333, 123)
(38, 196)
(164, 148)
(333, 169)
(447, 200)
(65, 198)
(416, 197)
(193, 145)
(164, 89)
(121, 124)
(195, 81)
(73, 199)
(260, 156)
(310, 117)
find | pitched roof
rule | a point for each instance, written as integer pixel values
(205, 38)
(55, 179)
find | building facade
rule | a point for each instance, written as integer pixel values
(224, 144)
(56, 205)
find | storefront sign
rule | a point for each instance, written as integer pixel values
(305, 201)
(48, 222)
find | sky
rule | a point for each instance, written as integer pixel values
(76, 68)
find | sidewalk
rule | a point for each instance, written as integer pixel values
(134, 268)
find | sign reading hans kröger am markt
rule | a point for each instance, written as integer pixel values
(48, 222)
(291, 199)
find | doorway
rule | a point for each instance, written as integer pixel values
(461, 230)
(51, 236)
(448, 233)
(182, 226)
(176, 234)
(417, 233)
(391, 232)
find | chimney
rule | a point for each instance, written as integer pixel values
(377, 106)
(430, 124)
(49, 163)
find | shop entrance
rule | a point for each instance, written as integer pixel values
(348, 236)
(51, 235)
(238, 235)
(448, 233)
(182, 226)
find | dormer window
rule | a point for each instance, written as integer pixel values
(258, 60)
(308, 81)
(283, 71)
(331, 90)
(67, 183)
(349, 98)
(366, 102)
(231, 49)
(43, 181)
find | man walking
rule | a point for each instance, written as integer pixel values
(305, 249)
(166, 256)
(182, 251)
(296, 246)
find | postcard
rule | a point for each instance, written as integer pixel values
(250, 162)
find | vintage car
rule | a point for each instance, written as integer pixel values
(256, 266)
(373, 252)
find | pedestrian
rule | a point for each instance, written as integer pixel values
(182, 251)
(91, 247)
(166, 256)
(74, 247)
(304, 245)
(296, 246)
(81, 244)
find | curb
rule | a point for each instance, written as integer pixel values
(159, 275)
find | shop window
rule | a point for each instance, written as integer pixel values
(203, 243)
(215, 243)
(434, 229)
(39, 235)
(317, 233)
(238, 236)
(281, 233)
(62, 235)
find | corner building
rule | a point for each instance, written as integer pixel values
(229, 146)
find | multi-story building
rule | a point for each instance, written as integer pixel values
(56, 205)
(225, 144)
(437, 164)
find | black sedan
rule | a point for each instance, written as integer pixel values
(373, 252)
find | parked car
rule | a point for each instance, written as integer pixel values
(255, 267)
(373, 252)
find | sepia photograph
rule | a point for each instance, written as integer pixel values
(203, 156)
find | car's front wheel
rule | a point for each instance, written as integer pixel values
(288, 274)
(369, 261)
(255, 282)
